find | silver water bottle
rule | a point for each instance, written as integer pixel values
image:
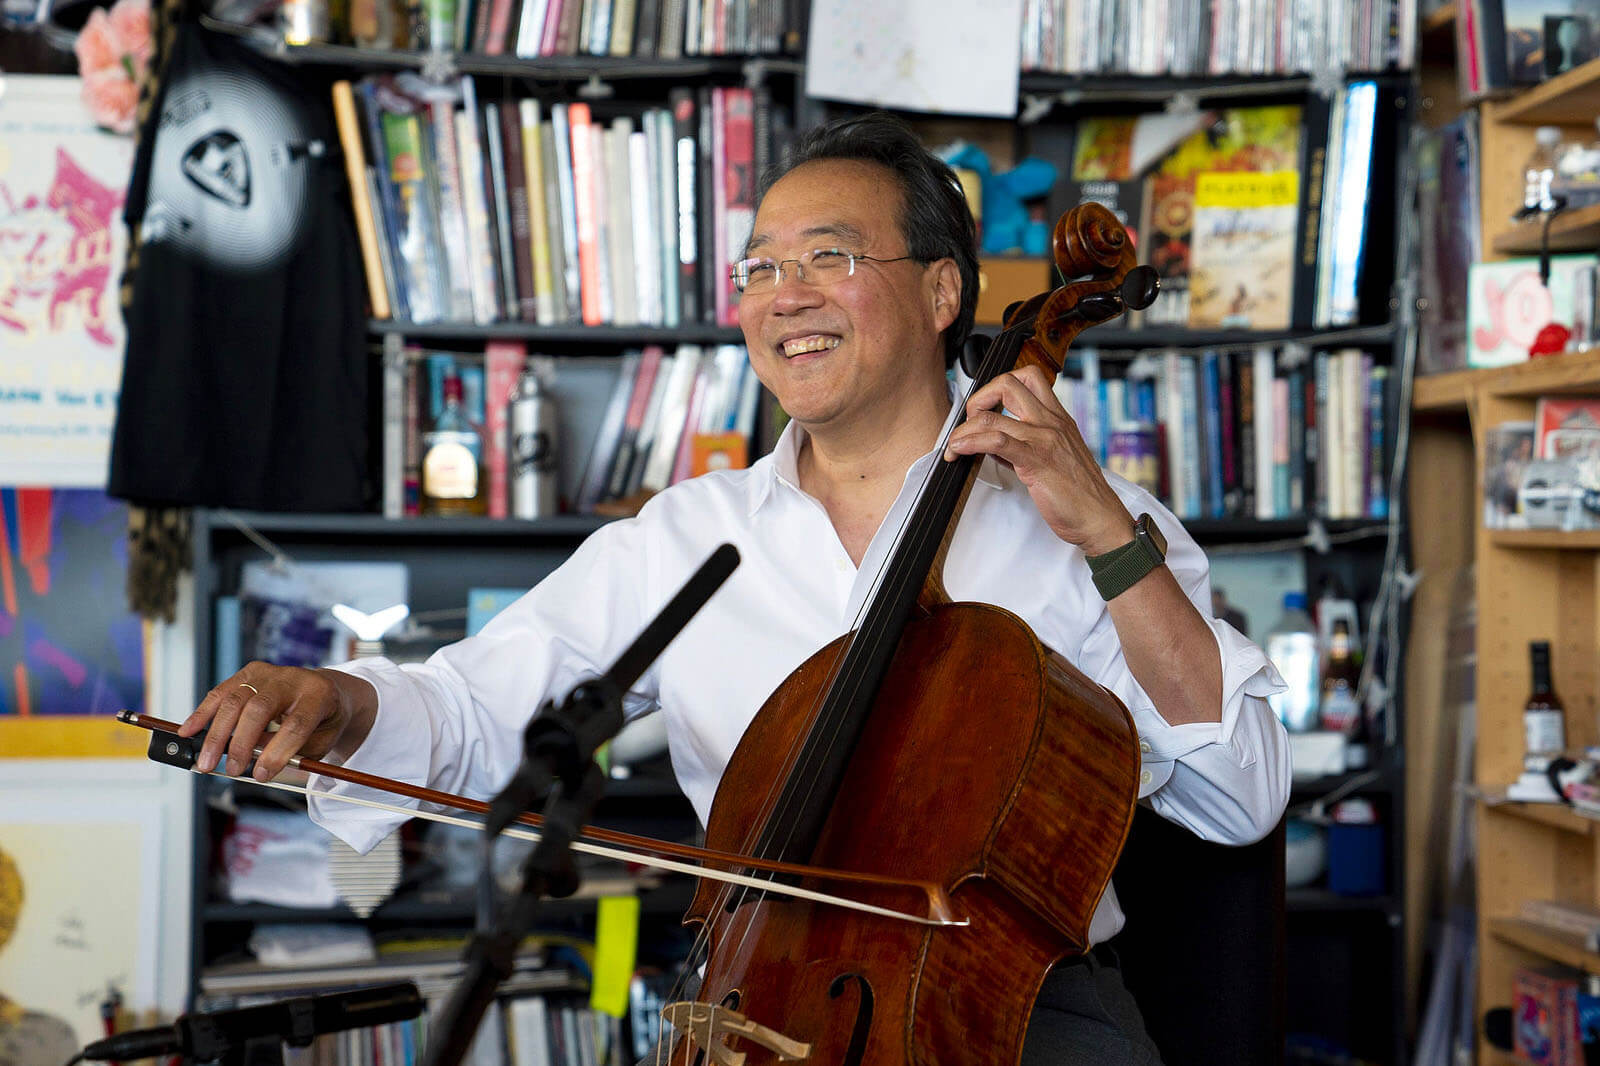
(531, 423)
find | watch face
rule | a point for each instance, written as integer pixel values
(1151, 534)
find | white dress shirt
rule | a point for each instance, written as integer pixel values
(455, 722)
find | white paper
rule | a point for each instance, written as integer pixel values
(62, 241)
(945, 56)
(89, 874)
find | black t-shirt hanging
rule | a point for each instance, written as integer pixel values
(245, 381)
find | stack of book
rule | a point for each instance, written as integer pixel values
(1264, 433)
(1256, 218)
(476, 211)
(1216, 37)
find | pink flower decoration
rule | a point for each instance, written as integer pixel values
(97, 45)
(112, 98)
(131, 20)
(114, 53)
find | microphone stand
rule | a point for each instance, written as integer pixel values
(558, 757)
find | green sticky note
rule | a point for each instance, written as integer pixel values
(616, 941)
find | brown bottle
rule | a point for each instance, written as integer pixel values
(1338, 708)
(1544, 724)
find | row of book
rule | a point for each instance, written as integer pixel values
(1262, 433)
(1255, 217)
(518, 210)
(540, 1019)
(638, 29)
(1186, 38)
(667, 416)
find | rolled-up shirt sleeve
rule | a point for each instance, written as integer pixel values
(1225, 781)
(455, 722)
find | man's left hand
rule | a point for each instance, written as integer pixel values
(1043, 445)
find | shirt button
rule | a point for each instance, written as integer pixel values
(1144, 778)
(1144, 746)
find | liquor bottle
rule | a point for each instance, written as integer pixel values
(1338, 707)
(1544, 725)
(453, 478)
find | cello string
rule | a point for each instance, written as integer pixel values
(904, 533)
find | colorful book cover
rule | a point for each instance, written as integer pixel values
(1260, 140)
(1242, 250)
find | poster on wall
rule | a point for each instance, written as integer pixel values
(67, 944)
(62, 241)
(71, 653)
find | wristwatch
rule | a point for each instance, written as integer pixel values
(1119, 569)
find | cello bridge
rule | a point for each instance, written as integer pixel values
(707, 1024)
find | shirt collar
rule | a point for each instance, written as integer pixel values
(784, 467)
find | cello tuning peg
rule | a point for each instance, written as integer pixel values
(972, 353)
(1139, 288)
(1099, 306)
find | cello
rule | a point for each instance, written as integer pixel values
(1022, 828)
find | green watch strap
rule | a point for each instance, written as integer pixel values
(1119, 569)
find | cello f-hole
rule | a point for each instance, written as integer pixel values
(857, 1049)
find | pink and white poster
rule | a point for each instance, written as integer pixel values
(62, 241)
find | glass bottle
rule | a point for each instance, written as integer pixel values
(1544, 725)
(453, 481)
(1292, 647)
(1337, 706)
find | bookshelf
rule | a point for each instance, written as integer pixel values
(445, 556)
(1529, 584)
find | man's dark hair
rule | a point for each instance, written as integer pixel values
(934, 218)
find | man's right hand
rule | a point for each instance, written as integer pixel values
(297, 711)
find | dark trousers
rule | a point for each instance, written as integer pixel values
(1084, 1016)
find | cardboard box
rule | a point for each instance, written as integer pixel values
(1002, 281)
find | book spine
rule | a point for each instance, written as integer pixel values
(688, 171)
(516, 182)
(503, 362)
(355, 166)
(1262, 379)
(1244, 367)
(1377, 491)
(452, 211)
(619, 217)
(394, 432)
(474, 192)
(1313, 164)
(583, 187)
(566, 191)
(500, 205)
(643, 203)
(739, 192)
(539, 244)
(1296, 401)
(411, 464)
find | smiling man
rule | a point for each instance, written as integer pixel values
(859, 284)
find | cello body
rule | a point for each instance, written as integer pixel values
(991, 766)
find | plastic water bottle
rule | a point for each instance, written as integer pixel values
(1540, 170)
(1292, 647)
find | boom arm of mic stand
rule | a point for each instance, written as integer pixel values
(559, 746)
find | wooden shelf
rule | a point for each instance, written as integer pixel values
(1551, 814)
(1443, 392)
(1575, 372)
(1577, 230)
(1549, 539)
(1560, 947)
(1570, 99)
